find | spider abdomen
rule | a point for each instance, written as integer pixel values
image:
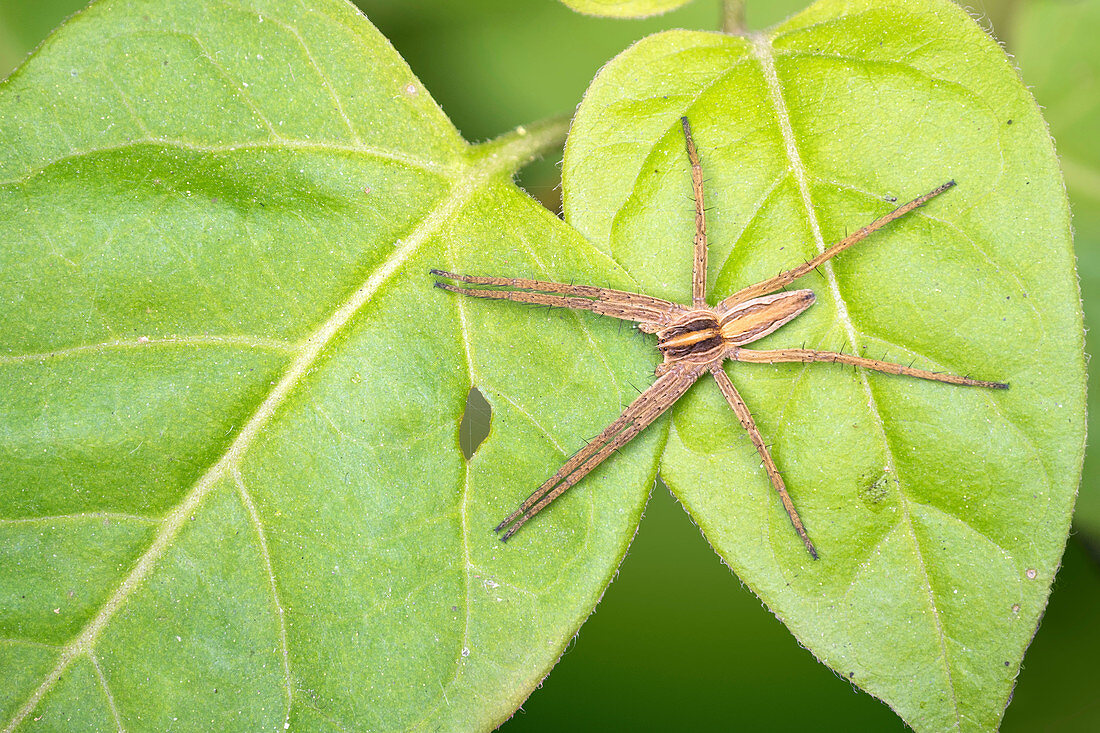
(702, 335)
(754, 319)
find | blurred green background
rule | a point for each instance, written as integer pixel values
(677, 643)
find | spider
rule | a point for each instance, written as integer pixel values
(694, 340)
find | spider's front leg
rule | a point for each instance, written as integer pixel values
(648, 312)
(699, 260)
(651, 315)
(786, 278)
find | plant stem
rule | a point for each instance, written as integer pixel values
(514, 149)
(733, 17)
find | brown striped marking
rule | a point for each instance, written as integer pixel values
(695, 335)
(754, 319)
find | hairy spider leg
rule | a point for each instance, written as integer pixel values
(648, 312)
(646, 408)
(699, 262)
(698, 292)
(786, 278)
(743, 414)
(775, 356)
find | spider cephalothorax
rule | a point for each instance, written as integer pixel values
(706, 334)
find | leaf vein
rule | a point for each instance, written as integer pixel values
(280, 610)
(464, 532)
(530, 418)
(1000, 548)
(238, 86)
(754, 214)
(28, 642)
(125, 99)
(254, 342)
(107, 692)
(324, 79)
(83, 516)
(449, 171)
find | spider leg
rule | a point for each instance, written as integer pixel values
(649, 312)
(646, 408)
(743, 414)
(807, 355)
(785, 278)
(699, 265)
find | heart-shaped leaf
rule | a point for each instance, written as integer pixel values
(232, 491)
(940, 511)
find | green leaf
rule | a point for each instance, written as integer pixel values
(1055, 45)
(233, 494)
(940, 512)
(624, 8)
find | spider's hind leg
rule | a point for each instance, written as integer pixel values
(745, 417)
(646, 408)
(778, 356)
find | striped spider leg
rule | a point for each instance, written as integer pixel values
(694, 340)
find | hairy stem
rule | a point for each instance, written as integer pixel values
(733, 17)
(514, 149)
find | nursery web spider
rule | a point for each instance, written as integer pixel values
(694, 340)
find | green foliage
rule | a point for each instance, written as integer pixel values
(231, 398)
(940, 513)
(226, 363)
(624, 8)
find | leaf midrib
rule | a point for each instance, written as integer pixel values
(762, 49)
(483, 166)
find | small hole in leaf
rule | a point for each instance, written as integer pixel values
(474, 427)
